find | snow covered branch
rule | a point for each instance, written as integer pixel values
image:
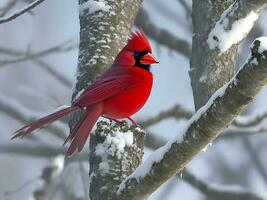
(204, 126)
(116, 153)
(234, 25)
(223, 27)
(20, 11)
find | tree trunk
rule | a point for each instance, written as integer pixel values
(209, 70)
(212, 66)
(104, 29)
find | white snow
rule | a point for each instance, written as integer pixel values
(78, 94)
(94, 6)
(223, 39)
(144, 169)
(58, 165)
(263, 44)
(61, 108)
(116, 143)
(113, 145)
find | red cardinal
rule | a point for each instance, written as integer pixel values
(119, 93)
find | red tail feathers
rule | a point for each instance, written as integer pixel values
(43, 121)
(81, 131)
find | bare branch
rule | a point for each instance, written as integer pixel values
(18, 112)
(255, 158)
(9, 5)
(187, 8)
(232, 133)
(162, 36)
(176, 111)
(219, 192)
(20, 12)
(203, 127)
(39, 151)
(51, 70)
(244, 121)
(28, 55)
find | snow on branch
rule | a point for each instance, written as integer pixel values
(204, 126)
(20, 11)
(94, 6)
(234, 25)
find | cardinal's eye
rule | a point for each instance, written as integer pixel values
(137, 54)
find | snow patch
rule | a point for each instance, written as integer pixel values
(61, 108)
(93, 6)
(222, 38)
(78, 95)
(58, 166)
(117, 142)
(113, 145)
(145, 168)
(263, 44)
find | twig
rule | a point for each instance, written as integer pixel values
(255, 158)
(9, 5)
(187, 8)
(20, 12)
(29, 55)
(18, 112)
(39, 151)
(176, 111)
(162, 36)
(219, 192)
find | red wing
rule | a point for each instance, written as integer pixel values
(104, 89)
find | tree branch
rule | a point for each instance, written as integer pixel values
(187, 8)
(160, 35)
(28, 55)
(255, 158)
(20, 12)
(16, 111)
(219, 192)
(223, 28)
(208, 122)
(176, 111)
(39, 151)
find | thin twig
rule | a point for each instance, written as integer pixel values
(20, 11)
(219, 192)
(9, 5)
(27, 55)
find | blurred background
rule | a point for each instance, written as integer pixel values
(38, 60)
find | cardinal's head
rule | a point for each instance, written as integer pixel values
(137, 52)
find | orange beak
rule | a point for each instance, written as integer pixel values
(148, 59)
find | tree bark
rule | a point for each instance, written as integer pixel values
(210, 69)
(104, 29)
